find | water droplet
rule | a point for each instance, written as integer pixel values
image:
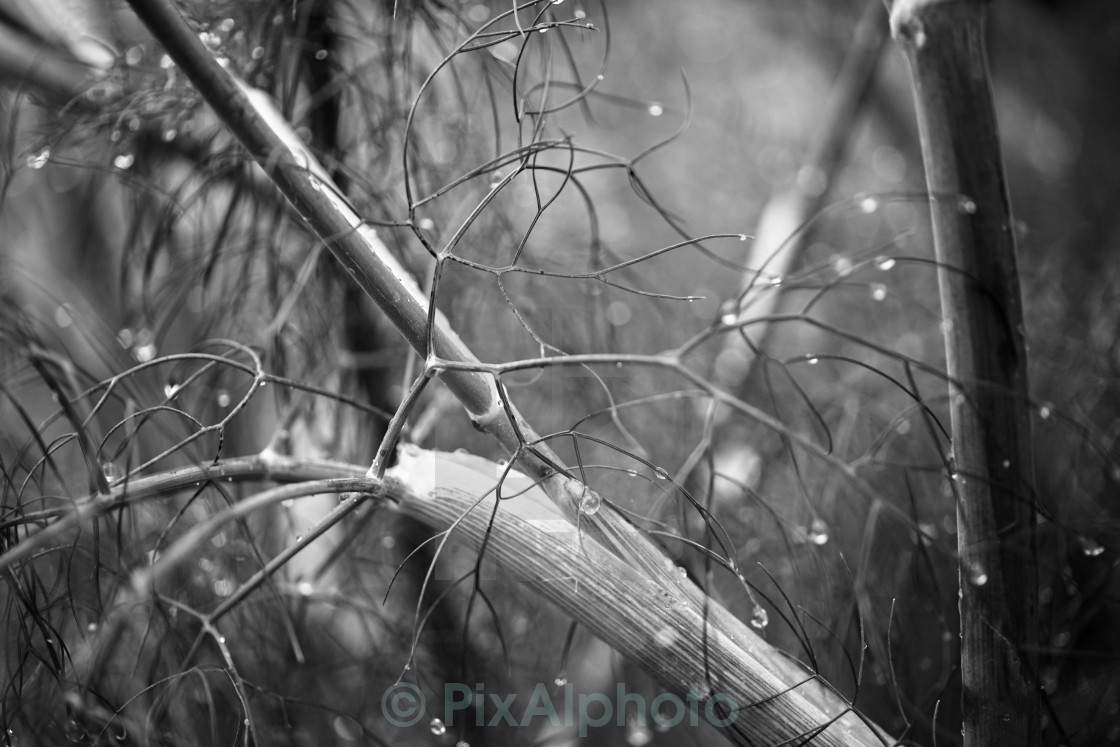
(743, 237)
(111, 471)
(124, 161)
(842, 266)
(818, 532)
(321, 54)
(580, 13)
(656, 109)
(561, 679)
(759, 618)
(884, 263)
(221, 639)
(299, 538)
(637, 734)
(869, 204)
(977, 576)
(305, 589)
(134, 55)
(814, 361)
(62, 318)
(1090, 547)
(776, 280)
(40, 159)
(426, 224)
(878, 291)
(631, 473)
(682, 572)
(170, 389)
(543, 30)
(600, 76)
(257, 53)
(590, 503)
(1044, 412)
(966, 206)
(223, 398)
(437, 727)
(170, 134)
(729, 318)
(660, 474)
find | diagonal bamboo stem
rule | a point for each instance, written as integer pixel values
(985, 353)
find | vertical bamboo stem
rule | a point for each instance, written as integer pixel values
(984, 342)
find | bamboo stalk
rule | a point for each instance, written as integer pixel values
(986, 358)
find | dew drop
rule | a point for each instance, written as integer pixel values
(580, 13)
(631, 473)
(884, 263)
(600, 76)
(743, 237)
(299, 538)
(818, 532)
(305, 589)
(561, 680)
(729, 319)
(437, 727)
(223, 398)
(842, 266)
(977, 576)
(426, 224)
(39, 160)
(1090, 547)
(590, 503)
(637, 733)
(170, 389)
(661, 474)
(682, 572)
(776, 280)
(878, 291)
(966, 206)
(920, 38)
(257, 53)
(869, 204)
(221, 639)
(321, 54)
(814, 361)
(134, 55)
(124, 161)
(62, 318)
(759, 618)
(1006, 464)
(656, 109)
(170, 134)
(1044, 412)
(92, 627)
(111, 471)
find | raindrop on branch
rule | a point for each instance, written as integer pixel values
(39, 160)
(818, 532)
(759, 618)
